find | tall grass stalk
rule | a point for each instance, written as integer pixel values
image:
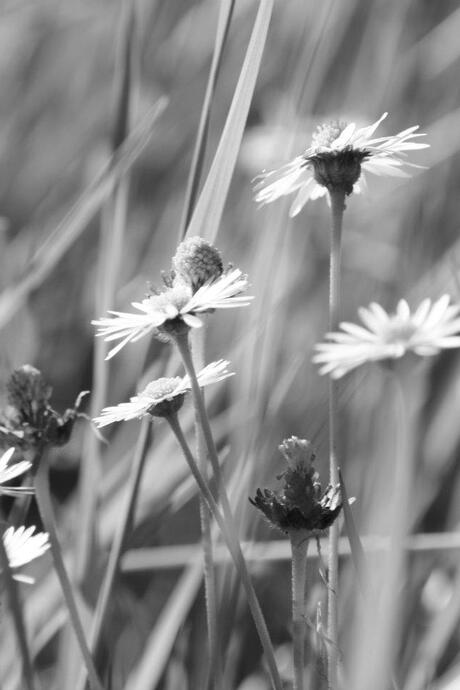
(123, 528)
(193, 183)
(42, 493)
(113, 225)
(27, 672)
(225, 523)
(299, 547)
(337, 208)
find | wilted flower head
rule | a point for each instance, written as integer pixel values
(174, 310)
(23, 546)
(337, 159)
(196, 262)
(162, 397)
(8, 472)
(29, 420)
(300, 505)
(425, 332)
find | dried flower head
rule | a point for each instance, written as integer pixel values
(29, 420)
(163, 397)
(339, 156)
(8, 472)
(196, 262)
(300, 505)
(23, 546)
(425, 332)
(174, 310)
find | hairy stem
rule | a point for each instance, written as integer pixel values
(42, 493)
(337, 209)
(299, 547)
(228, 530)
(209, 573)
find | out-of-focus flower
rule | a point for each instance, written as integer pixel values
(162, 397)
(337, 159)
(301, 504)
(425, 332)
(8, 472)
(29, 421)
(23, 546)
(173, 310)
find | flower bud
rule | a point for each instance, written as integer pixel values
(196, 262)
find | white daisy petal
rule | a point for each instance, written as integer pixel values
(23, 546)
(160, 391)
(384, 155)
(426, 331)
(176, 302)
(8, 472)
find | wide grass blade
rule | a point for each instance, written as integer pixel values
(210, 206)
(223, 25)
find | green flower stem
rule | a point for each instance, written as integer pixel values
(106, 590)
(210, 592)
(299, 547)
(209, 573)
(18, 619)
(228, 530)
(407, 397)
(42, 493)
(337, 209)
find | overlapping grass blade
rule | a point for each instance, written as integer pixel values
(210, 206)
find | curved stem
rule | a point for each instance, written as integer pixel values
(233, 544)
(106, 590)
(18, 619)
(337, 209)
(45, 508)
(299, 546)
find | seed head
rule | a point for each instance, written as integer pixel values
(29, 420)
(196, 262)
(297, 452)
(300, 505)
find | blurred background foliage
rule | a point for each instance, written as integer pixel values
(350, 60)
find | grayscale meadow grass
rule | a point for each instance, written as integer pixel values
(127, 128)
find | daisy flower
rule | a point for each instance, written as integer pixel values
(425, 332)
(338, 158)
(171, 309)
(8, 472)
(163, 396)
(23, 546)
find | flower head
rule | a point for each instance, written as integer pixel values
(300, 505)
(337, 159)
(23, 546)
(196, 262)
(425, 332)
(29, 420)
(162, 397)
(174, 310)
(8, 472)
